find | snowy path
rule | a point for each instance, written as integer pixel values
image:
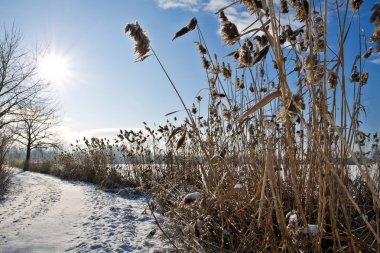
(45, 214)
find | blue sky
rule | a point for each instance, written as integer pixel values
(106, 90)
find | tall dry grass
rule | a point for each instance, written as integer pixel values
(91, 161)
(266, 170)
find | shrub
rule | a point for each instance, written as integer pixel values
(92, 162)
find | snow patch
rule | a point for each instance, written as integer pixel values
(45, 214)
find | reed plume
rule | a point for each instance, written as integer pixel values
(355, 4)
(270, 165)
(228, 30)
(254, 5)
(142, 42)
(375, 18)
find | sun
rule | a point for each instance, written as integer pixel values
(54, 68)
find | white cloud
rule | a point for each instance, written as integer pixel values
(243, 19)
(101, 132)
(376, 61)
(235, 13)
(69, 136)
(192, 5)
(240, 18)
(215, 5)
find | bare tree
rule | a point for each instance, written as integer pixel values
(35, 127)
(4, 172)
(19, 82)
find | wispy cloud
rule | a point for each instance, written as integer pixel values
(214, 5)
(192, 5)
(240, 18)
(376, 61)
(69, 136)
(236, 14)
(101, 132)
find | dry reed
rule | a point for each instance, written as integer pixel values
(266, 168)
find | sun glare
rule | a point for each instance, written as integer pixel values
(54, 68)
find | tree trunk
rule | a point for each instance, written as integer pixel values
(27, 159)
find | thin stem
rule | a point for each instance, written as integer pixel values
(202, 170)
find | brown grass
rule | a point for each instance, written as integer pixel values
(271, 147)
(266, 168)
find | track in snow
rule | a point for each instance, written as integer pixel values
(45, 214)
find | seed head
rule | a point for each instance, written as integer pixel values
(240, 82)
(301, 43)
(205, 63)
(363, 78)
(375, 18)
(354, 77)
(355, 4)
(284, 6)
(142, 42)
(225, 112)
(200, 48)
(302, 10)
(253, 5)
(261, 41)
(293, 3)
(228, 29)
(368, 53)
(332, 80)
(194, 109)
(246, 55)
(275, 66)
(319, 25)
(226, 71)
(251, 88)
(319, 45)
(262, 72)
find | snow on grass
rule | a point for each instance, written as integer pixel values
(46, 214)
(191, 197)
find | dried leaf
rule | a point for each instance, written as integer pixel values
(375, 13)
(220, 95)
(233, 53)
(190, 26)
(181, 32)
(259, 105)
(261, 55)
(174, 132)
(181, 141)
(170, 113)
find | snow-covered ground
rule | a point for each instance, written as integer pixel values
(45, 214)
